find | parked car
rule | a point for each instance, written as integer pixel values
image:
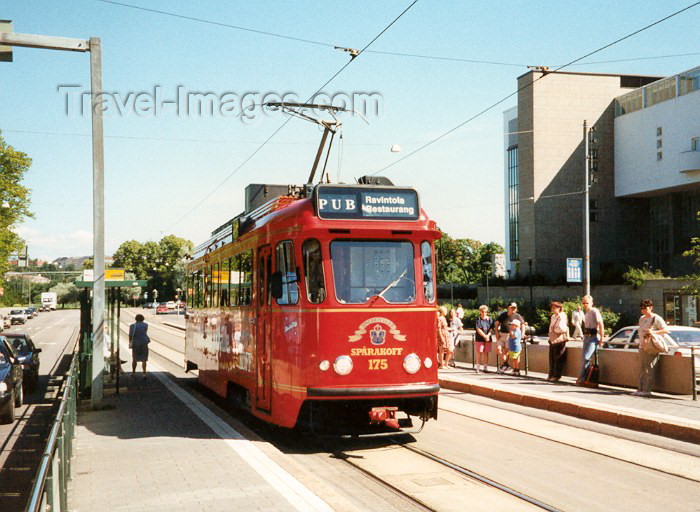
(679, 339)
(162, 308)
(170, 304)
(6, 323)
(18, 316)
(11, 393)
(149, 305)
(28, 355)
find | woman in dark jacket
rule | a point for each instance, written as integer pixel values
(138, 343)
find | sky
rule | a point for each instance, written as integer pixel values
(177, 169)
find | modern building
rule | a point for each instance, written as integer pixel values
(644, 160)
(636, 193)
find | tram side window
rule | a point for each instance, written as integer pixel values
(286, 266)
(313, 271)
(217, 285)
(246, 279)
(199, 289)
(428, 276)
(225, 279)
(208, 287)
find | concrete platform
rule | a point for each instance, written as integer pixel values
(155, 447)
(665, 415)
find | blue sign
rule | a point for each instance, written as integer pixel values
(362, 202)
(574, 270)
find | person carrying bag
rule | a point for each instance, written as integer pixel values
(652, 329)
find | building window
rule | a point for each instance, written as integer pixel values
(593, 204)
(513, 203)
(658, 143)
(659, 155)
(658, 131)
(695, 144)
(593, 216)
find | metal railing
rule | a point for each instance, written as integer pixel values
(50, 489)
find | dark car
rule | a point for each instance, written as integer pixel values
(11, 393)
(28, 355)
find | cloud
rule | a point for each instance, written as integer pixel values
(52, 246)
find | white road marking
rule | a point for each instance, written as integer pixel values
(289, 487)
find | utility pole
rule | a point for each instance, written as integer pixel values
(93, 45)
(586, 216)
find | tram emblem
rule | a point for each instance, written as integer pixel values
(377, 334)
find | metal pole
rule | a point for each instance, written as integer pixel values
(98, 227)
(586, 215)
(692, 368)
(119, 320)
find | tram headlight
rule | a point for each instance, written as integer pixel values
(428, 363)
(411, 363)
(343, 365)
(324, 365)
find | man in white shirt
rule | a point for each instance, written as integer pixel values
(577, 320)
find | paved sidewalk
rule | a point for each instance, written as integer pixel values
(153, 449)
(665, 415)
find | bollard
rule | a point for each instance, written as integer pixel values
(473, 351)
(525, 354)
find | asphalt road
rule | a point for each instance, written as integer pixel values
(566, 463)
(22, 442)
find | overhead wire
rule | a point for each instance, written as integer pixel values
(289, 118)
(530, 84)
(377, 52)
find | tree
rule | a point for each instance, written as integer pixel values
(66, 293)
(161, 263)
(14, 200)
(694, 252)
(460, 261)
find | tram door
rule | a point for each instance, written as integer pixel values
(263, 335)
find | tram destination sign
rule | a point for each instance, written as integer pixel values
(362, 202)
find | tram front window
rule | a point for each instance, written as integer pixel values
(363, 269)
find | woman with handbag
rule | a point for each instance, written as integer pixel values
(558, 336)
(651, 326)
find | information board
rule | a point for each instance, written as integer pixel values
(362, 202)
(574, 270)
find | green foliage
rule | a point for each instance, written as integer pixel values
(694, 252)
(66, 293)
(161, 263)
(14, 200)
(460, 261)
(636, 276)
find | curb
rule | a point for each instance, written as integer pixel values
(605, 414)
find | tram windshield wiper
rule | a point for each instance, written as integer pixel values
(391, 284)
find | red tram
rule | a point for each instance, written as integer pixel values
(317, 309)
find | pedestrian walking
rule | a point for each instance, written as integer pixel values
(593, 331)
(138, 343)
(649, 324)
(503, 328)
(558, 336)
(443, 335)
(577, 321)
(515, 346)
(484, 327)
(454, 325)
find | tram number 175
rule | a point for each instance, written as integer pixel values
(378, 364)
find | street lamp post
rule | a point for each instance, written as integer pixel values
(94, 46)
(487, 270)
